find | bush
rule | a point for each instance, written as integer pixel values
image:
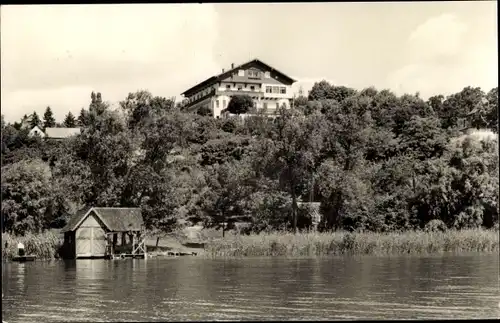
(240, 104)
(47, 245)
(435, 226)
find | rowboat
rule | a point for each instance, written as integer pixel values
(24, 258)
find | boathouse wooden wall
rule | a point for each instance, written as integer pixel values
(90, 238)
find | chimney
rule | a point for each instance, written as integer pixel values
(222, 70)
(232, 65)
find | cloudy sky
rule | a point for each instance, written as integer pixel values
(57, 55)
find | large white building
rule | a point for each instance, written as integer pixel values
(268, 87)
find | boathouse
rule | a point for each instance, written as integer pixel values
(102, 232)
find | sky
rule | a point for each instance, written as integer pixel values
(57, 55)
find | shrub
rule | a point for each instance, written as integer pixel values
(435, 226)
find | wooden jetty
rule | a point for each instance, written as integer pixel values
(24, 258)
(126, 255)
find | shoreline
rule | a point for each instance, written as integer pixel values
(202, 257)
(343, 243)
(312, 244)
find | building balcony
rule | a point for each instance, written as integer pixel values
(204, 97)
(254, 94)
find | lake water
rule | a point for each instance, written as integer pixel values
(191, 288)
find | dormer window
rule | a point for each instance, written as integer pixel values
(253, 74)
(267, 75)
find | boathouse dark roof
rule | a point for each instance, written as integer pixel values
(114, 218)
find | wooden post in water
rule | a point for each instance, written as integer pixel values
(133, 244)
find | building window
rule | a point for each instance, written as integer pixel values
(241, 73)
(267, 75)
(253, 74)
(252, 88)
(217, 103)
(224, 104)
(265, 105)
(269, 89)
(276, 89)
(283, 90)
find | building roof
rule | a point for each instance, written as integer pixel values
(224, 75)
(60, 133)
(115, 219)
(36, 130)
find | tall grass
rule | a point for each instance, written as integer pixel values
(341, 243)
(44, 246)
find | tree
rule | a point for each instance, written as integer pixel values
(290, 155)
(320, 91)
(458, 108)
(492, 111)
(107, 148)
(423, 138)
(325, 91)
(142, 108)
(27, 178)
(240, 104)
(48, 119)
(35, 120)
(346, 136)
(224, 203)
(220, 151)
(409, 106)
(347, 197)
(204, 111)
(96, 104)
(69, 120)
(83, 118)
(72, 185)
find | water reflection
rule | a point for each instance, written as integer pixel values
(247, 289)
(21, 271)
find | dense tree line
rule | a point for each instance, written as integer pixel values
(375, 161)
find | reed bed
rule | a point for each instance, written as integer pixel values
(44, 246)
(344, 243)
